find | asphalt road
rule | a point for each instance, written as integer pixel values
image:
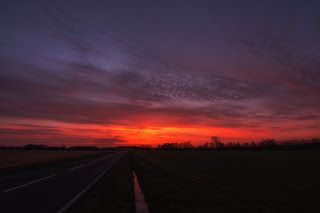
(53, 189)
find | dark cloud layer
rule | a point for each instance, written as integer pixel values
(142, 64)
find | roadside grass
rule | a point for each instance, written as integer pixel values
(113, 192)
(200, 181)
(14, 161)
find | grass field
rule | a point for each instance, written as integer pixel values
(263, 181)
(12, 161)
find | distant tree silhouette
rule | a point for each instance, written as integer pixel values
(206, 145)
(169, 146)
(266, 144)
(35, 147)
(269, 144)
(144, 147)
(216, 143)
(187, 145)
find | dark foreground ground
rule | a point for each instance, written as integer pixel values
(264, 181)
(189, 181)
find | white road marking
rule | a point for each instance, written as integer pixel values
(35, 181)
(94, 161)
(71, 202)
(75, 168)
(91, 162)
(101, 158)
(8, 190)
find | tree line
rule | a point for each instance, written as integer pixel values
(46, 147)
(214, 144)
(266, 144)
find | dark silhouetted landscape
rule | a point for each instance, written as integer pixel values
(149, 106)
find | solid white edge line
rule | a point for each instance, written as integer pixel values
(17, 187)
(71, 202)
(75, 167)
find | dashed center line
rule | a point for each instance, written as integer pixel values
(35, 181)
(17, 187)
(100, 159)
(75, 168)
(93, 161)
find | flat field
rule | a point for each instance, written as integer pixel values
(231, 181)
(12, 161)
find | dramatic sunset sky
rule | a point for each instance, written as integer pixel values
(122, 72)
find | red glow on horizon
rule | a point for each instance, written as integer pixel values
(58, 133)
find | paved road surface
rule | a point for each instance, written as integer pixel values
(52, 189)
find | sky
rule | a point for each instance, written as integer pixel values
(114, 73)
